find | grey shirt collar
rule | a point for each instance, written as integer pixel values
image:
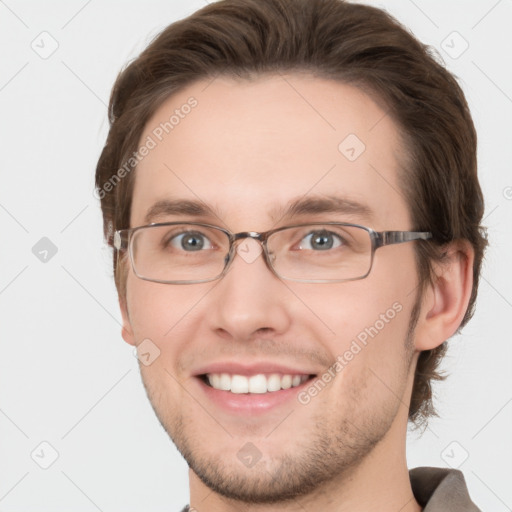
(437, 490)
(441, 490)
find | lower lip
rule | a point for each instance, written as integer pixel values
(250, 403)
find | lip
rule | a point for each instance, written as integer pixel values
(253, 368)
(251, 404)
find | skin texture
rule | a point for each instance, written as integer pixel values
(247, 149)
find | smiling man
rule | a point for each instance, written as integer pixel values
(290, 188)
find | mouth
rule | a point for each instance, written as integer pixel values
(250, 388)
(259, 383)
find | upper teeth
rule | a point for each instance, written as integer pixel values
(259, 383)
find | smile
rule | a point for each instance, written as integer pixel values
(259, 383)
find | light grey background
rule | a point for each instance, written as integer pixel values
(66, 376)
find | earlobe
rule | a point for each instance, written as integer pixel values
(446, 300)
(126, 331)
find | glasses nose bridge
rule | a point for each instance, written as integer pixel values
(260, 237)
(254, 235)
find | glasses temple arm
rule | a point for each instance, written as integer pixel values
(397, 237)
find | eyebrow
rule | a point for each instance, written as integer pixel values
(323, 204)
(168, 207)
(296, 208)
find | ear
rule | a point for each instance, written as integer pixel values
(127, 331)
(445, 301)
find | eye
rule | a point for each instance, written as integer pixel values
(190, 241)
(321, 241)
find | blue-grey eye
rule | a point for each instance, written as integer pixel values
(320, 241)
(190, 241)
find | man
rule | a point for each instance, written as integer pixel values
(290, 188)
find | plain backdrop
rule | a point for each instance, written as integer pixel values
(67, 379)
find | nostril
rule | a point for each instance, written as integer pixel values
(264, 330)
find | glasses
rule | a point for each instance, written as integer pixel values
(319, 252)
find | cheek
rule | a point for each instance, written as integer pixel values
(364, 324)
(158, 309)
(372, 358)
(163, 321)
(342, 312)
(168, 315)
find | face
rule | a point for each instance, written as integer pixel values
(245, 153)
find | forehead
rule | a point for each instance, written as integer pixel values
(249, 148)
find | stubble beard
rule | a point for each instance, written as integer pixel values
(332, 451)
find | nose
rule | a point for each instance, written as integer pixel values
(249, 301)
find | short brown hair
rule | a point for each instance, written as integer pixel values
(351, 43)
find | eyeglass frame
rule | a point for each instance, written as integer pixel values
(123, 242)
